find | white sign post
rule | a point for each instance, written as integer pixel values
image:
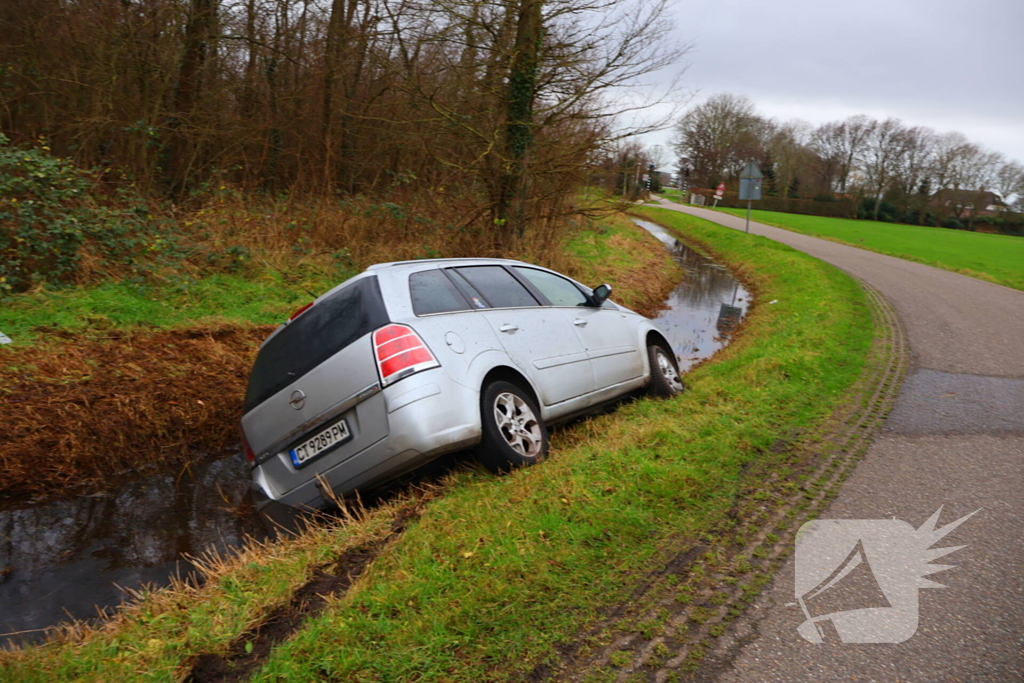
(719, 193)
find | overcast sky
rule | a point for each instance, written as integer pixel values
(940, 63)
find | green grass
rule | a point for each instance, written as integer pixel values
(672, 193)
(260, 298)
(499, 571)
(996, 258)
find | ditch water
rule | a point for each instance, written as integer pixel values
(66, 558)
(705, 308)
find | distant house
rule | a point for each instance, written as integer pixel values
(968, 202)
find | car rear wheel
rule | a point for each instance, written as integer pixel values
(513, 431)
(665, 379)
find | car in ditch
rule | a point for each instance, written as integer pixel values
(411, 360)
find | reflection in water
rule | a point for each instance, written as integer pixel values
(69, 556)
(704, 309)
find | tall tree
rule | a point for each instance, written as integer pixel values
(912, 169)
(719, 137)
(519, 123)
(182, 147)
(884, 149)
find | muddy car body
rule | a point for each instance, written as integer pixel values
(412, 360)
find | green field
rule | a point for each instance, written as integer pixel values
(996, 258)
(499, 573)
(671, 193)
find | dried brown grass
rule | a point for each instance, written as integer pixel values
(80, 411)
(292, 233)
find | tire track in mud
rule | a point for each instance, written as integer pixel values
(252, 648)
(663, 637)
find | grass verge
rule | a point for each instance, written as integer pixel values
(996, 258)
(500, 574)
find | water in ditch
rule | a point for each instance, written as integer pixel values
(66, 558)
(703, 311)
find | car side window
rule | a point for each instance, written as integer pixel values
(558, 290)
(497, 286)
(433, 292)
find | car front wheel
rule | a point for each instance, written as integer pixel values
(513, 431)
(665, 379)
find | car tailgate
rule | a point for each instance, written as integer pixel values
(345, 386)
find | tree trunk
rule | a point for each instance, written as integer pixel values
(522, 82)
(199, 30)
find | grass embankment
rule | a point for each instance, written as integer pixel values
(117, 379)
(499, 573)
(629, 259)
(996, 258)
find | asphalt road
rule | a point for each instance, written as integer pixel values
(954, 440)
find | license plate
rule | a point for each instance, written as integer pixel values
(335, 435)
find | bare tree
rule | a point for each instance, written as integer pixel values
(884, 149)
(841, 144)
(910, 180)
(962, 170)
(718, 137)
(787, 145)
(1009, 183)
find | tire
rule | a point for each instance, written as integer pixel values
(665, 380)
(513, 433)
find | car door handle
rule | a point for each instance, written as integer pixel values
(579, 322)
(508, 328)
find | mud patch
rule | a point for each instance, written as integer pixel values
(247, 652)
(82, 414)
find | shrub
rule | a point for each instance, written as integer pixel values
(50, 218)
(952, 224)
(837, 208)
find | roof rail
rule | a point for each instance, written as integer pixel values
(378, 266)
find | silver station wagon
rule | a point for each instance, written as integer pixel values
(411, 360)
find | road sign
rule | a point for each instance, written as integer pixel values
(750, 182)
(751, 172)
(720, 192)
(750, 186)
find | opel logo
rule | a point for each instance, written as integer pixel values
(298, 399)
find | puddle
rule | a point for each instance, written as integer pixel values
(66, 558)
(702, 311)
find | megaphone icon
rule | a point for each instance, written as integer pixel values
(851, 586)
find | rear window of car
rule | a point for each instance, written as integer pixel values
(558, 290)
(433, 292)
(315, 336)
(498, 286)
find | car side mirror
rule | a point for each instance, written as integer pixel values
(601, 294)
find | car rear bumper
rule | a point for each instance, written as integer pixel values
(428, 415)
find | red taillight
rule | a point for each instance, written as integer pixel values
(249, 455)
(299, 312)
(400, 352)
